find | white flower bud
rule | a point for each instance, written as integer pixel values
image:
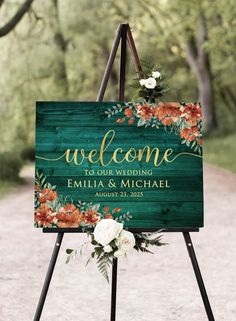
(150, 83)
(156, 74)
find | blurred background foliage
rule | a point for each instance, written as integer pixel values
(58, 50)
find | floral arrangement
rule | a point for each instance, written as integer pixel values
(110, 240)
(55, 211)
(150, 86)
(184, 119)
(105, 227)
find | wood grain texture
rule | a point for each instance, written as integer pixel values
(82, 125)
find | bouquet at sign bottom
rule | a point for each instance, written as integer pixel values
(111, 240)
(103, 225)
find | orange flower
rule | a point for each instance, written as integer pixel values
(192, 113)
(199, 141)
(44, 216)
(128, 112)
(189, 134)
(145, 111)
(69, 216)
(131, 121)
(170, 104)
(117, 210)
(47, 194)
(36, 187)
(120, 120)
(91, 216)
(168, 113)
(108, 216)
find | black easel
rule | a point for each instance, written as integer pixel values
(123, 35)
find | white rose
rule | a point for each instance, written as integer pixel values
(126, 241)
(119, 253)
(107, 230)
(108, 249)
(150, 83)
(142, 82)
(156, 74)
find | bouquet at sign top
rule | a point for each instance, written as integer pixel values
(150, 85)
(183, 119)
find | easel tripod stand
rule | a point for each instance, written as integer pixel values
(123, 36)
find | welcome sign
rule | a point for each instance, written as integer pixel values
(108, 159)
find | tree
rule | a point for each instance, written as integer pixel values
(61, 44)
(199, 61)
(179, 20)
(12, 23)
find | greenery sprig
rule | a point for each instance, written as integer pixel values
(144, 240)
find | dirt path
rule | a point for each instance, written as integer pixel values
(158, 287)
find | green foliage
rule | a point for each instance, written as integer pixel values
(71, 255)
(103, 264)
(10, 165)
(150, 95)
(124, 217)
(115, 110)
(143, 240)
(221, 151)
(7, 186)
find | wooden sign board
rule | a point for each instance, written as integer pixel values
(113, 158)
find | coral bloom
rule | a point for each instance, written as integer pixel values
(36, 187)
(192, 113)
(120, 120)
(145, 112)
(47, 194)
(128, 112)
(69, 216)
(91, 217)
(199, 141)
(108, 216)
(131, 121)
(44, 216)
(168, 113)
(189, 134)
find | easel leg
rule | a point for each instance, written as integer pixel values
(113, 289)
(48, 276)
(198, 275)
(123, 34)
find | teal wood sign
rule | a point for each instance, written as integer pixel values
(108, 159)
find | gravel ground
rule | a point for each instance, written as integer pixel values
(158, 287)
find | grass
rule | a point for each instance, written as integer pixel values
(221, 151)
(8, 186)
(11, 185)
